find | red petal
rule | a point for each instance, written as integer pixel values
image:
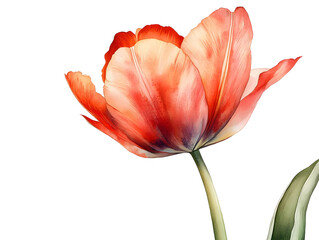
(220, 48)
(130, 146)
(128, 39)
(95, 103)
(166, 34)
(84, 90)
(248, 104)
(156, 96)
(121, 39)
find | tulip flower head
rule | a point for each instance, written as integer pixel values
(165, 94)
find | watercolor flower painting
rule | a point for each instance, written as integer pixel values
(165, 94)
(155, 120)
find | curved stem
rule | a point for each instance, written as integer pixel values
(215, 211)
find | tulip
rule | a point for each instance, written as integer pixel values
(165, 94)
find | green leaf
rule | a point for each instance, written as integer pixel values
(289, 220)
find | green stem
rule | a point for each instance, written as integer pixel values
(215, 211)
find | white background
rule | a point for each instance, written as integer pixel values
(62, 179)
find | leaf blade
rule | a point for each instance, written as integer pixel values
(289, 220)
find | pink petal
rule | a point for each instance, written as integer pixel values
(248, 103)
(128, 39)
(155, 95)
(84, 90)
(130, 146)
(253, 80)
(220, 49)
(121, 39)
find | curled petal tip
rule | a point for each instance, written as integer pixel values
(71, 74)
(240, 8)
(75, 73)
(296, 60)
(292, 59)
(85, 117)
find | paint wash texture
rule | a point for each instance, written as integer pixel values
(166, 94)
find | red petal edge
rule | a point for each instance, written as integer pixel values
(121, 39)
